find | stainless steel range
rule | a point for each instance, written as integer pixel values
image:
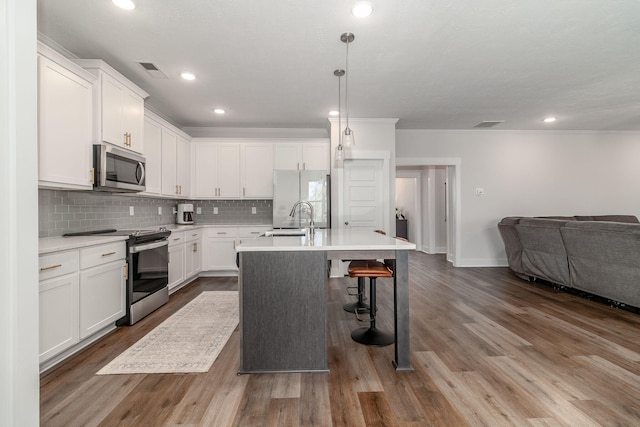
(148, 270)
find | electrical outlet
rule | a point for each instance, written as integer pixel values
(131, 211)
(479, 191)
(198, 210)
(159, 210)
(253, 210)
(215, 210)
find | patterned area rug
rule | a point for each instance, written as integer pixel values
(188, 341)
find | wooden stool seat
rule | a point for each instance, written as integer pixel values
(371, 269)
(368, 268)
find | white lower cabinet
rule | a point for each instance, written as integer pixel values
(220, 249)
(58, 315)
(193, 252)
(82, 291)
(102, 297)
(176, 259)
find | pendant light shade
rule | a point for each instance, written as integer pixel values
(339, 155)
(349, 139)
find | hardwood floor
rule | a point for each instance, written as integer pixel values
(487, 349)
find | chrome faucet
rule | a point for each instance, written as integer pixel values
(292, 214)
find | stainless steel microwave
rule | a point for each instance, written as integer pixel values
(117, 170)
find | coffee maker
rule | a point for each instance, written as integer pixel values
(185, 213)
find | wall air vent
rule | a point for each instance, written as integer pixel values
(488, 124)
(152, 70)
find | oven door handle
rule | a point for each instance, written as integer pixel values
(146, 247)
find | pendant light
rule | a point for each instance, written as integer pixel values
(349, 139)
(339, 156)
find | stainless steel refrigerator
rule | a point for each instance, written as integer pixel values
(311, 186)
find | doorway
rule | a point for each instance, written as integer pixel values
(363, 205)
(438, 203)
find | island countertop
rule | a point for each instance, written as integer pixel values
(326, 240)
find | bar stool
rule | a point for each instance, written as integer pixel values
(371, 335)
(359, 305)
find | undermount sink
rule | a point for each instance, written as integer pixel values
(286, 232)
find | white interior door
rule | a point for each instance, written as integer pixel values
(363, 204)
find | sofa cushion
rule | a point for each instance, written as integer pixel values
(610, 218)
(604, 259)
(543, 252)
(512, 246)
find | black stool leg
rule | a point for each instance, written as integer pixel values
(358, 305)
(372, 335)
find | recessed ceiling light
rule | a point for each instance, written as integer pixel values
(218, 111)
(188, 76)
(124, 4)
(549, 119)
(362, 9)
(333, 113)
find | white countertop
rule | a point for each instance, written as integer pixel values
(55, 244)
(59, 243)
(326, 240)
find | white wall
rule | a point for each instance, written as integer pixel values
(530, 173)
(19, 379)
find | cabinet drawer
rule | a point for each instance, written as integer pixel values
(176, 238)
(246, 232)
(190, 236)
(222, 232)
(58, 264)
(102, 254)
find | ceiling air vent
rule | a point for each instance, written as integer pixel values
(488, 124)
(152, 70)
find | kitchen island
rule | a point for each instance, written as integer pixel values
(283, 297)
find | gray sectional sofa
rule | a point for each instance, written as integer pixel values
(595, 254)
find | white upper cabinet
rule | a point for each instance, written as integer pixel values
(65, 123)
(167, 151)
(169, 163)
(257, 170)
(216, 170)
(183, 166)
(119, 107)
(301, 156)
(153, 155)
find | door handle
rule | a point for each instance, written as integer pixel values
(346, 223)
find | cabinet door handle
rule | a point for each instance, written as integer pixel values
(126, 271)
(194, 235)
(243, 191)
(180, 189)
(298, 166)
(195, 247)
(176, 188)
(304, 166)
(108, 254)
(221, 232)
(93, 175)
(255, 232)
(50, 267)
(176, 238)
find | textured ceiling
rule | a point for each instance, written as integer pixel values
(433, 64)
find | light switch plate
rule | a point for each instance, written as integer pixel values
(199, 210)
(479, 191)
(215, 210)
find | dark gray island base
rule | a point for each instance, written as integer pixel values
(283, 311)
(283, 301)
